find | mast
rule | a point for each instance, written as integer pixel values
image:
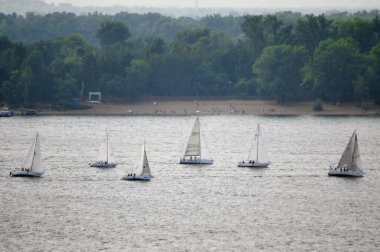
(146, 169)
(107, 145)
(356, 161)
(200, 138)
(257, 143)
(352, 151)
(34, 152)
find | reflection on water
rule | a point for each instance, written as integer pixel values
(291, 206)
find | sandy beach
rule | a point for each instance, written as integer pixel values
(216, 107)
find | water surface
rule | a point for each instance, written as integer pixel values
(291, 206)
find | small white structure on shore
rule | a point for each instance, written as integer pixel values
(95, 97)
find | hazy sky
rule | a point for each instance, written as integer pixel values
(228, 3)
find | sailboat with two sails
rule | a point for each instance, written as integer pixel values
(32, 166)
(197, 151)
(257, 157)
(141, 170)
(105, 159)
(350, 164)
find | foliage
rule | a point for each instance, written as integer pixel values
(263, 31)
(310, 30)
(111, 33)
(335, 67)
(279, 73)
(373, 73)
(286, 56)
(318, 105)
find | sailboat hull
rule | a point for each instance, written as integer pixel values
(20, 173)
(253, 165)
(103, 165)
(137, 178)
(196, 161)
(342, 173)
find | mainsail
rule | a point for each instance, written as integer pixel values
(205, 151)
(33, 161)
(194, 145)
(142, 167)
(258, 151)
(351, 155)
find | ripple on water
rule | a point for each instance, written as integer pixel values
(291, 206)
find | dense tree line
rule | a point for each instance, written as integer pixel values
(31, 27)
(287, 56)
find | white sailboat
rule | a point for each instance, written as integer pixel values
(32, 166)
(141, 171)
(258, 155)
(350, 163)
(105, 159)
(197, 151)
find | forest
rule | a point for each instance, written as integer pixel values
(285, 56)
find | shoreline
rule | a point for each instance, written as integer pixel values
(212, 107)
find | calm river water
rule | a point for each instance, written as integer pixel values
(291, 206)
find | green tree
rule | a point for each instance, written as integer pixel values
(334, 68)
(111, 33)
(310, 30)
(279, 71)
(115, 59)
(76, 63)
(263, 31)
(244, 87)
(365, 32)
(373, 73)
(25, 84)
(137, 78)
(35, 78)
(192, 36)
(155, 46)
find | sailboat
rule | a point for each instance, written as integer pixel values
(197, 151)
(257, 155)
(350, 163)
(32, 166)
(141, 171)
(104, 156)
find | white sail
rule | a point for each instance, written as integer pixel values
(351, 156)
(33, 161)
(350, 163)
(346, 159)
(258, 151)
(142, 166)
(104, 153)
(356, 160)
(197, 151)
(194, 144)
(205, 151)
